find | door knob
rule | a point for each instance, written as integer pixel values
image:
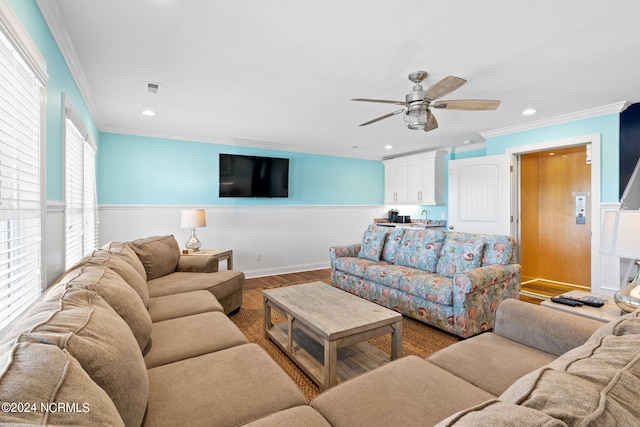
(451, 227)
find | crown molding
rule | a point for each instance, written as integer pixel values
(55, 21)
(469, 147)
(617, 107)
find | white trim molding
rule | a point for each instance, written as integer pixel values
(617, 107)
(20, 38)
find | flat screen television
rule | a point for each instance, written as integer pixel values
(253, 176)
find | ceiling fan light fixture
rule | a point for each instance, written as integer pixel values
(416, 117)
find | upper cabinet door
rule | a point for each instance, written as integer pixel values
(480, 195)
(395, 182)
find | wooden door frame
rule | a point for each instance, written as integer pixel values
(596, 164)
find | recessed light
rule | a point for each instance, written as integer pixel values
(388, 147)
(529, 111)
(467, 141)
(149, 113)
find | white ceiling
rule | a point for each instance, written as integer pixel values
(280, 73)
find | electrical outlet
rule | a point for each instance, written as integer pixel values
(443, 215)
(258, 256)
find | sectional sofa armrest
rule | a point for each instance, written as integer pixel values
(546, 329)
(197, 264)
(343, 251)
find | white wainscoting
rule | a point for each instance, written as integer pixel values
(286, 239)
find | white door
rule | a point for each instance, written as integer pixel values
(480, 195)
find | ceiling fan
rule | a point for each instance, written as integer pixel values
(418, 102)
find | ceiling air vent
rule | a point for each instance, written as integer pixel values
(154, 88)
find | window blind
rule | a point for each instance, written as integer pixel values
(20, 181)
(81, 236)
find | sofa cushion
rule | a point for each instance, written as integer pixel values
(487, 361)
(118, 294)
(124, 250)
(82, 323)
(220, 284)
(355, 265)
(120, 265)
(228, 387)
(372, 242)
(420, 249)
(159, 255)
(294, 417)
(413, 281)
(392, 241)
(43, 374)
(500, 414)
(408, 392)
(458, 256)
(498, 249)
(184, 304)
(178, 339)
(593, 384)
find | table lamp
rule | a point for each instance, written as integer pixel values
(621, 237)
(193, 218)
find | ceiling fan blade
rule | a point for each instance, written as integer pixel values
(382, 117)
(468, 104)
(432, 123)
(443, 87)
(384, 101)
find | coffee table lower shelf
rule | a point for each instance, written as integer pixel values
(308, 354)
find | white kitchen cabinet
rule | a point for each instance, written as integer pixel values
(395, 182)
(416, 179)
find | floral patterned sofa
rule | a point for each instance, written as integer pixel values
(449, 280)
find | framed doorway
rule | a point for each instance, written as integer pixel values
(533, 256)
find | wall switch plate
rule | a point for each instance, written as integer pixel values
(258, 256)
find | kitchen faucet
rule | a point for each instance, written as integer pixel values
(426, 215)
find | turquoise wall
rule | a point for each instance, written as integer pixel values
(60, 81)
(144, 170)
(608, 126)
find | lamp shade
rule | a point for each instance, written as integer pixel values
(192, 218)
(620, 234)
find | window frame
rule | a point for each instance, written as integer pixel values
(25, 49)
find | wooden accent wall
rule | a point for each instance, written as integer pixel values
(553, 247)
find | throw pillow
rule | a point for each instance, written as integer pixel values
(372, 242)
(458, 256)
(159, 255)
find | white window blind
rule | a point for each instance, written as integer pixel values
(80, 190)
(20, 172)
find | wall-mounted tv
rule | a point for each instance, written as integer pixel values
(253, 176)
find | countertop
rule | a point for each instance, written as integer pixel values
(416, 223)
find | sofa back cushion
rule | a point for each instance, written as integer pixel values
(498, 249)
(594, 384)
(392, 241)
(120, 265)
(40, 374)
(159, 255)
(420, 249)
(125, 251)
(82, 323)
(458, 256)
(117, 293)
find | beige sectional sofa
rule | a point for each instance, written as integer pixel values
(98, 348)
(136, 335)
(539, 367)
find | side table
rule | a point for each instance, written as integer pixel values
(217, 254)
(608, 312)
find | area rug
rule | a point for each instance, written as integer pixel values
(417, 339)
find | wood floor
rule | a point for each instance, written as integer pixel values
(324, 275)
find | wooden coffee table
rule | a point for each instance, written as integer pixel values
(326, 330)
